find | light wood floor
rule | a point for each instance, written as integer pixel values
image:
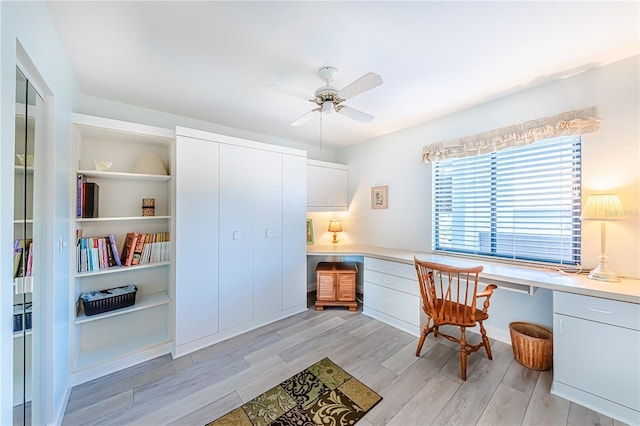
(202, 386)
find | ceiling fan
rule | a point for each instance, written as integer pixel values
(329, 99)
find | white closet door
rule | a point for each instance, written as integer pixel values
(236, 236)
(196, 239)
(267, 248)
(294, 259)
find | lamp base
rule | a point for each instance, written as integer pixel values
(602, 272)
(335, 238)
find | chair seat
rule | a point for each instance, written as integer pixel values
(457, 314)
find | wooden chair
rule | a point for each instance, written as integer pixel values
(449, 296)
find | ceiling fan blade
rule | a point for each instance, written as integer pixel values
(355, 114)
(364, 83)
(304, 118)
(289, 92)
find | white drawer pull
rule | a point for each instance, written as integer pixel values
(601, 311)
(388, 268)
(388, 281)
(388, 301)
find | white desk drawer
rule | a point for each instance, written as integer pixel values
(397, 304)
(622, 314)
(404, 270)
(392, 281)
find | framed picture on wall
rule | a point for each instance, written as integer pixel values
(379, 197)
(309, 231)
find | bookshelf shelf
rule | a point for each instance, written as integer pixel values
(123, 175)
(113, 340)
(21, 333)
(22, 285)
(20, 221)
(122, 269)
(118, 352)
(23, 169)
(121, 219)
(142, 302)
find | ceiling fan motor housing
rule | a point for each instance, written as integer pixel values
(327, 96)
(328, 74)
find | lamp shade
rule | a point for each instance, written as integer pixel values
(335, 226)
(603, 207)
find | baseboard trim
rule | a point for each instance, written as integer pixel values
(498, 334)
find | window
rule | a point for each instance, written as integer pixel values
(520, 203)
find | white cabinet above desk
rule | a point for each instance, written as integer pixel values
(327, 186)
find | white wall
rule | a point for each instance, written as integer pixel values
(29, 24)
(611, 162)
(118, 111)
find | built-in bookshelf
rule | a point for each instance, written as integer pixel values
(140, 168)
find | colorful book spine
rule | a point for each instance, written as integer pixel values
(79, 195)
(114, 250)
(137, 251)
(128, 248)
(28, 273)
(17, 257)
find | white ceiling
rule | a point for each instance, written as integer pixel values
(215, 61)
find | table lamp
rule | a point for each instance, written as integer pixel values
(335, 226)
(603, 207)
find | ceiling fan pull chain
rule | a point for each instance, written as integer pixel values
(320, 132)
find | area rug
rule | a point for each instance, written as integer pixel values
(322, 394)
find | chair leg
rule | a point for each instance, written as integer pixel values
(463, 354)
(485, 341)
(425, 330)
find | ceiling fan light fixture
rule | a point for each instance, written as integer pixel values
(327, 107)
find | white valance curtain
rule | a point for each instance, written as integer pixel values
(568, 123)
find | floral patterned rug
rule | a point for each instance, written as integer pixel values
(322, 394)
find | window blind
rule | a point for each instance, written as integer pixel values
(520, 203)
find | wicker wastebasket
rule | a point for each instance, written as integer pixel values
(532, 345)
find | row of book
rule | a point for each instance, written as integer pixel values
(22, 258)
(87, 198)
(142, 248)
(96, 253)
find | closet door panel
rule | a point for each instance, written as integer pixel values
(267, 249)
(294, 259)
(196, 301)
(236, 236)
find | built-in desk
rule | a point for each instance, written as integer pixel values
(596, 324)
(505, 275)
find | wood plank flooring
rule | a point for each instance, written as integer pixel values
(199, 387)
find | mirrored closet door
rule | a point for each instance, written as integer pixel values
(29, 107)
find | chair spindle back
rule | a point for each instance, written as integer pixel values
(448, 294)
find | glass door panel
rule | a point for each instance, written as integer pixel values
(28, 105)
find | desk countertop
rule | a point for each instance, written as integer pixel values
(627, 290)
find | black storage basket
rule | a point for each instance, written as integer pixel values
(108, 301)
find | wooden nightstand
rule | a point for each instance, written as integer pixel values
(336, 285)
